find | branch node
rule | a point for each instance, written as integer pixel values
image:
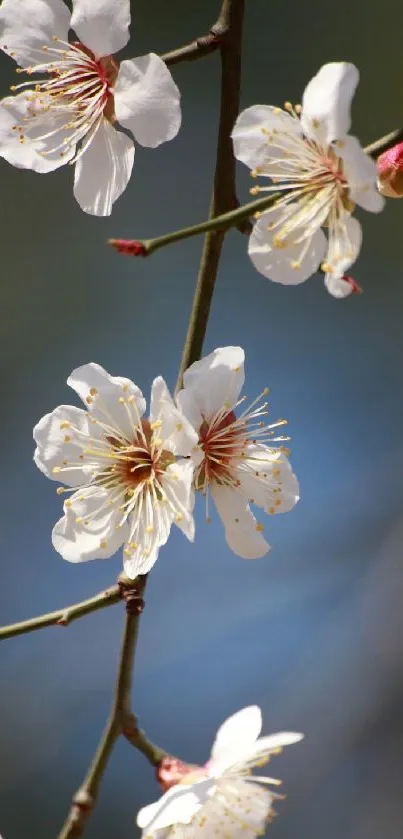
(132, 593)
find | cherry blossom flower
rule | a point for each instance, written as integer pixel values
(69, 115)
(127, 483)
(233, 461)
(221, 799)
(321, 173)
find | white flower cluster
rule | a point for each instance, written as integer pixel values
(84, 94)
(128, 477)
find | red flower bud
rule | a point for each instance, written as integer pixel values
(130, 247)
(171, 771)
(390, 172)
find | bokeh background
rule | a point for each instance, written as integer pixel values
(313, 632)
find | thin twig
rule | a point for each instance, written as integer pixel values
(63, 617)
(235, 217)
(223, 197)
(85, 797)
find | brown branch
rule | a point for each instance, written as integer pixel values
(85, 798)
(63, 617)
(223, 198)
(196, 49)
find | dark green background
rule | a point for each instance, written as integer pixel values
(313, 631)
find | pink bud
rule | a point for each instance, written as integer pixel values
(390, 172)
(171, 771)
(130, 247)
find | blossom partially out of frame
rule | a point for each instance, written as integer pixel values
(128, 480)
(69, 115)
(236, 461)
(321, 172)
(221, 799)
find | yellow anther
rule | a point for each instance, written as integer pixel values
(254, 190)
(133, 546)
(326, 267)
(288, 106)
(271, 510)
(279, 243)
(265, 391)
(93, 391)
(56, 470)
(79, 520)
(156, 424)
(60, 490)
(179, 517)
(68, 503)
(67, 438)
(259, 527)
(298, 109)
(295, 265)
(121, 400)
(179, 426)
(65, 424)
(89, 400)
(278, 502)
(103, 543)
(149, 528)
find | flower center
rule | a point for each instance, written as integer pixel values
(139, 461)
(221, 440)
(226, 441)
(77, 94)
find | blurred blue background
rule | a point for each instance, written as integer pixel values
(312, 632)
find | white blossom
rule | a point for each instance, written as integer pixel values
(127, 482)
(233, 461)
(221, 799)
(69, 115)
(322, 173)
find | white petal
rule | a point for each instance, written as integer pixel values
(215, 380)
(337, 286)
(265, 745)
(327, 100)
(27, 25)
(103, 394)
(251, 133)
(242, 532)
(147, 100)
(15, 110)
(277, 263)
(99, 538)
(103, 171)
(179, 805)
(344, 247)
(236, 736)
(177, 484)
(149, 528)
(102, 25)
(361, 174)
(54, 451)
(177, 432)
(275, 488)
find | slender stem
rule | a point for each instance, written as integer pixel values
(84, 799)
(384, 143)
(62, 617)
(223, 198)
(196, 49)
(220, 222)
(237, 215)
